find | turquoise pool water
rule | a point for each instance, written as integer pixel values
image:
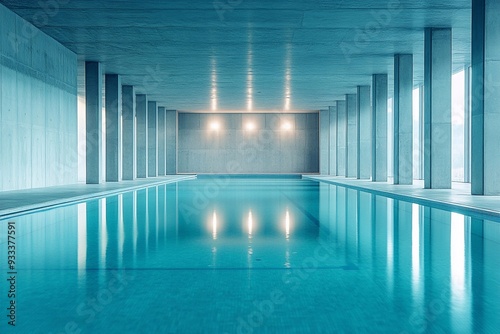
(252, 255)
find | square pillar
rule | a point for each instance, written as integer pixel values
(162, 136)
(129, 171)
(363, 115)
(152, 138)
(379, 127)
(171, 157)
(352, 136)
(141, 101)
(113, 101)
(324, 142)
(333, 140)
(403, 119)
(437, 109)
(341, 138)
(485, 122)
(93, 119)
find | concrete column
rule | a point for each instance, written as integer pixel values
(129, 170)
(403, 119)
(333, 140)
(142, 135)
(485, 134)
(93, 119)
(324, 142)
(152, 138)
(341, 138)
(352, 136)
(363, 115)
(379, 127)
(437, 109)
(171, 120)
(162, 132)
(113, 101)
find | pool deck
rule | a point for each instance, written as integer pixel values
(457, 199)
(22, 201)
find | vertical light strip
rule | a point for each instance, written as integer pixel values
(147, 220)
(415, 250)
(157, 217)
(390, 244)
(250, 224)
(213, 94)
(121, 230)
(250, 73)
(103, 234)
(135, 229)
(288, 76)
(287, 224)
(214, 225)
(460, 314)
(82, 239)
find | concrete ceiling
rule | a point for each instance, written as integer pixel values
(248, 54)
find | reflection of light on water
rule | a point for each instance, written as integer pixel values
(214, 257)
(250, 224)
(135, 229)
(287, 257)
(121, 232)
(103, 234)
(457, 259)
(287, 224)
(82, 238)
(390, 243)
(214, 225)
(415, 249)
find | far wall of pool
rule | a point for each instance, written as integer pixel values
(248, 143)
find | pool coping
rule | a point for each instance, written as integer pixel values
(438, 197)
(44, 205)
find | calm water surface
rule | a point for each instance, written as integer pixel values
(250, 255)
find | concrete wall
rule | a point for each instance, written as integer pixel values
(38, 112)
(268, 148)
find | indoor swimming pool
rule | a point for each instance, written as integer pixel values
(251, 255)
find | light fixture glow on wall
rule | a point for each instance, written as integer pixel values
(287, 126)
(215, 126)
(250, 126)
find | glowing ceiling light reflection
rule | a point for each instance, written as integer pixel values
(214, 225)
(249, 90)
(213, 95)
(287, 224)
(250, 224)
(288, 77)
(250, 73)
